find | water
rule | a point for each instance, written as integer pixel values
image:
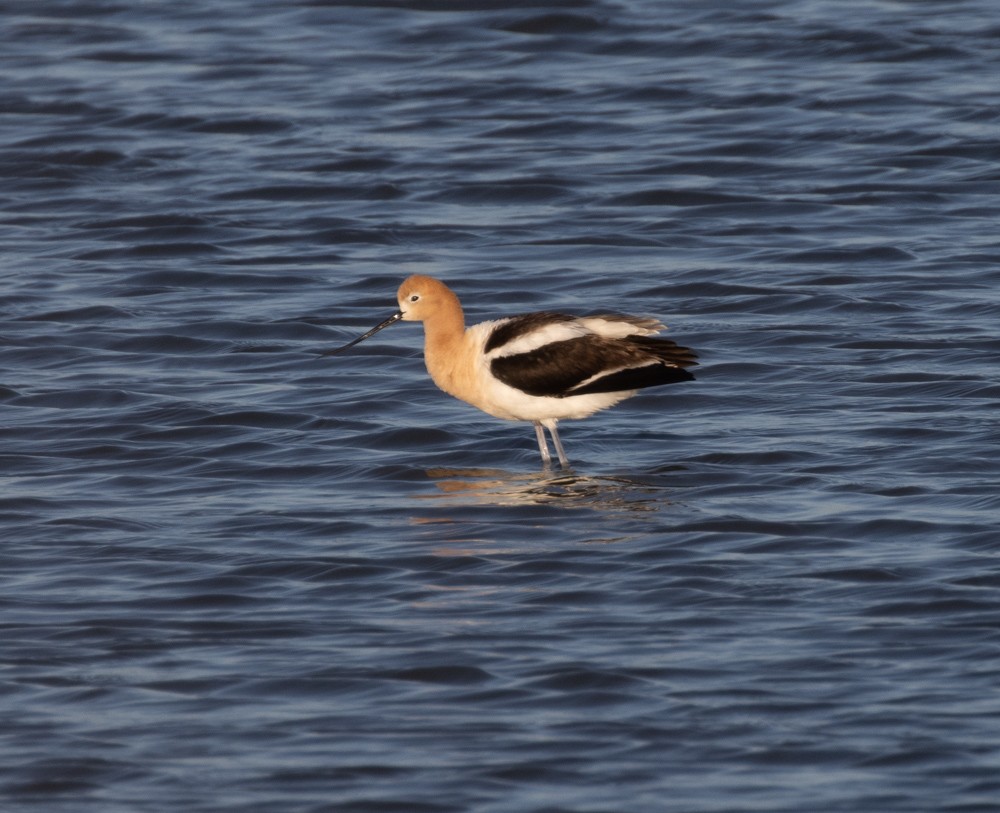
(236, 577)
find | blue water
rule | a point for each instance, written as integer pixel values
(237, 577)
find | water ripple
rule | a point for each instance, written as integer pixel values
(242, 576)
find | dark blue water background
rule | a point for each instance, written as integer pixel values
(238, 578)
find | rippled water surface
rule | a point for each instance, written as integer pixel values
(240, 577)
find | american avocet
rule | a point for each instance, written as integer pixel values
(538, 367)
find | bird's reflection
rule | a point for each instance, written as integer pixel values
(497, 487)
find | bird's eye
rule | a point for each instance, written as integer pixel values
(415, 297)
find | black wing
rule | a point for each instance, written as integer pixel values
(559, 369)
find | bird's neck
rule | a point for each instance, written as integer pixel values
(446, 353)
(444, 332)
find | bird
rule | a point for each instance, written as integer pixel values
(541, 367)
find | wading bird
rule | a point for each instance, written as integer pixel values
(539, 367)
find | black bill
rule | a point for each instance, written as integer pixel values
(394, 318)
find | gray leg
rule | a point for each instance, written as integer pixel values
(543, 447)
(558, 444)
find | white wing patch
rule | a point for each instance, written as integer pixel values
(608, 327)
(539, 337)
(618, 327)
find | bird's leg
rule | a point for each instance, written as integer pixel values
(543, 447)
(558, 444)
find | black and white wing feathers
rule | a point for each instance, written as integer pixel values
(559, 356)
